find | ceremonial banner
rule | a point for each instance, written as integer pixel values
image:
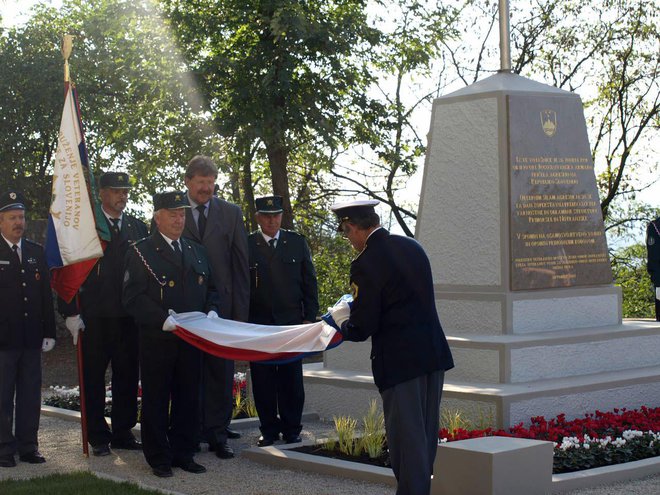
(253, 342)
(72, 243)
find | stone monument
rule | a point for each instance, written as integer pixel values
(510, 217)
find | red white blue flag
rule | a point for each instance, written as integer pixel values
(72, 243)
(253, 342)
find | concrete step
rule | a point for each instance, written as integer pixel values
(502, 405)
(557, 354)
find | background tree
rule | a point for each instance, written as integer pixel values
(139, 111)
(278, 71)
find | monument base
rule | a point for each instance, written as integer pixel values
(572, 372)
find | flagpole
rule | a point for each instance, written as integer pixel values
(67, 47)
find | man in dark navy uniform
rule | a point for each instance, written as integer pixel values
(110, 333)
(163, 273)
(27, 328)
(283, 292)
(653, 265)
(394, 304)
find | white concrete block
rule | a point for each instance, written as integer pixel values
(558, 361)
(352, 356)
(544, 315)
(493, 466)
(470, 317)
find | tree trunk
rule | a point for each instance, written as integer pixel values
(278, 158)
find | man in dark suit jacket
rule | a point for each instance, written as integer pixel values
(27, 327)
(163, 273)
(653, 264)
(394, 304)
(218, 226)
(283, 292)
(110, 333)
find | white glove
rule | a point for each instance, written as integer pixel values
(657, 293)
(169, 324)
(47, 345)
(340, 312)
(212, 314)
(74, 324)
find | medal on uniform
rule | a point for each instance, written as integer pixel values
(171, 283)
(200, 280)
(37, 276)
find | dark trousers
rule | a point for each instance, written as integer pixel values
(216, 398)
(170, 369)
(657, 309)
(111, 341)
(278, 388)
(20, 379)
(412, 420)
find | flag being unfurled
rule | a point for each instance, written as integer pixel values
(253, 342)
(72, 243)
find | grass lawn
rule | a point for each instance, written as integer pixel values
(71, 484)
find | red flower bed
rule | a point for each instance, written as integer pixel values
(591, 437)
(596, 425)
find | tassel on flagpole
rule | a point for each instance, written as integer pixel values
(67, 47)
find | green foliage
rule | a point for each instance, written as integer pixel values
(280, 72)
(345, 427)
(139, 111)
(629, 269)
(640, 447)
(71, 484)
(371, 440)
(373, 437)
(454, 420)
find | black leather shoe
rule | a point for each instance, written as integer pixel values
(32, 458)
(233, 434)
(223, 451)
(190, 466)
(101, 450)
(162, 471)
(292, 439)
(131, 444)
(7, 460)
(265, 441)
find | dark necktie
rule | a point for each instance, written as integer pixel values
(17, 258)
(271, 243)
(201, 221)
(115, 226)
(177, 249)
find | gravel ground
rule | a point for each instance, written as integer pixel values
(60, 444)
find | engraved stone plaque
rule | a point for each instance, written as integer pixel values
(557, 232)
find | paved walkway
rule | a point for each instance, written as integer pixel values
(60, 444)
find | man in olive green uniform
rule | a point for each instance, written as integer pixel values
(283, 292)
(164, 273)
(110, 333)
(653, 265)
(27, 329)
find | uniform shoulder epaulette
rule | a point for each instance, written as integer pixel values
(193, 242)
(139, 241)
(292, 232)
(30, 241)
(135, 219)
